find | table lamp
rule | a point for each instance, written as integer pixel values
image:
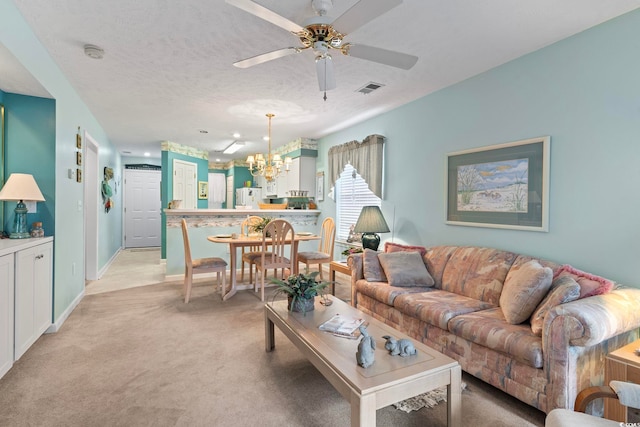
(369, 223)
(20, 187)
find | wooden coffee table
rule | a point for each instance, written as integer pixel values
(389, 380)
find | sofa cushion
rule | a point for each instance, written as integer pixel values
(523, 290)
(383, 292)
(564, 289)
(396, 247)
(477, 273)
(371, 267)
(590, 285)
(405, 269)
(437, 307)
(436, 259)
(490, 329)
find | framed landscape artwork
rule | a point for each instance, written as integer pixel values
(500, 186)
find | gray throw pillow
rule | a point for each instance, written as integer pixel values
(371, 267)
(564, 289)
(405, 269)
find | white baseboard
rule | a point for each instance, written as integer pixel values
(55, 327)
(104, 269)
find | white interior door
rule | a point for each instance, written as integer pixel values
(91, 206)
(230, 192)
(142, 208)
(185, 180)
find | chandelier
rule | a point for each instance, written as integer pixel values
(271, 166)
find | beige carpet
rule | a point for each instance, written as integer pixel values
(141, 357)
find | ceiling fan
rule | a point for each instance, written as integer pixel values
(322, 34)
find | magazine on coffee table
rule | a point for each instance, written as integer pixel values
(342, 325)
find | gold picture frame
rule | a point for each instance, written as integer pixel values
(79, 158)
(203, 190)
(78, 139)
(78, 175)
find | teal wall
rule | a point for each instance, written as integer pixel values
(584, 92)
(30, 146)
(68, 198)
(166, 188)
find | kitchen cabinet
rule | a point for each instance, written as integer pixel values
(33, 295)
(301, 176)
(6, 313)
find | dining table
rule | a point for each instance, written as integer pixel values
(236, 241)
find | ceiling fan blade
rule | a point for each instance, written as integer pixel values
(361, 13)
(324, 69)
(383, 56)
(266, 14)
(259, 59)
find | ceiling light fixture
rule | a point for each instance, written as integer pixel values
(235, 146)
(271, 167)
(93, 51)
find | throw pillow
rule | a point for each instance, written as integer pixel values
(371, 267)
(564, 289)
(405, 269)
(523, 290)
(590, 285)
(396, 247)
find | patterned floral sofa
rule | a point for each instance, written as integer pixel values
(541, 344)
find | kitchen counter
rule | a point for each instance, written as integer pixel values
(203, 223)
(234, 217)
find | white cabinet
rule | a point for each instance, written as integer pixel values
(301, 176)
(33, 296)
(6, 313)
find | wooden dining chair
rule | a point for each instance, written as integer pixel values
(200, 265)
(249, 253)
(324, 254)
(273, 250)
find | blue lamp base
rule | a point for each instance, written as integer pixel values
(20, 230)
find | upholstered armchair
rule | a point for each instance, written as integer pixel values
(627, 393)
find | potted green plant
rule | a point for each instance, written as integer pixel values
(352, 250)
(301, 290)
(259, 226)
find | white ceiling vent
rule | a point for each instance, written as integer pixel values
(370, 87)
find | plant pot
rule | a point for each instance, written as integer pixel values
(302, 304)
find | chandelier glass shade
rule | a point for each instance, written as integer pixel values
(270, 166)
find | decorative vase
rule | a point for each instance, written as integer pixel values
(302, 304)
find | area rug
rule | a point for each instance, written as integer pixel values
(425, 400)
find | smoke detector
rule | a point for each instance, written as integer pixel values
(321, 7)
(93, 51)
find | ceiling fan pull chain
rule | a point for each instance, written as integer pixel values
(325, 81)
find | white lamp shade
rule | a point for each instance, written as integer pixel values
(21, 186)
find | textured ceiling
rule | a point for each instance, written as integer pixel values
(167, 70)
